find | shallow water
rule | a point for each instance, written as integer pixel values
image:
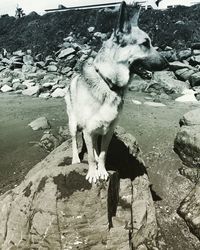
(18, 142)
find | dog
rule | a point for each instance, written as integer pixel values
(95, 97)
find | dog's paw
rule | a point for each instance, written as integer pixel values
(102, 173)
(92, 175)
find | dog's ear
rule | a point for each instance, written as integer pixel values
(135, 15)
(122, 21)
(127, 19)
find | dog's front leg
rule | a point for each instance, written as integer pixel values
(102, 173)
(96, 149)
(75, 157)
(92, 175)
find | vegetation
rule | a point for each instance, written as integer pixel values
(177, 27)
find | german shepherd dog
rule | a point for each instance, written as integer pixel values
(95, 97)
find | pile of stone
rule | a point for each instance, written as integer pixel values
(23, 73)
(185, 64)
(181, 82)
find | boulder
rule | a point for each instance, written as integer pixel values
(48, 85)
(15, 84)
(91, 29)
(189, 210)
(56, 208)
(100, 35)
(196, 52)
(28, 60)
(6, 61)
(45, 95)
(170, 55)
(16, 62)
(184, 74)
(179, 65)
(18, 53)
(195, 79)
(48, 60)
(40, 64)
(66, 52)
(40, 123)
(69, 39)
(66, 70)
(6, 88)
(187, 145)
(168, 48)
(52, 68)
(195, 60)
(20, 87)
(29, 83)
(28, 68)
(2, 68)
(184, 54)
(166, 82)
(58, 92)
(31, 91)
(195, 46)
(188, 97)
(191, 118)
(49, 142)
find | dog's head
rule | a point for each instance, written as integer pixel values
(129, 50)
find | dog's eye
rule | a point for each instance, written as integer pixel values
(146, 43)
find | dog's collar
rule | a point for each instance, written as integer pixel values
(110, 84)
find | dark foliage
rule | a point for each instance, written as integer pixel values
(45, 33)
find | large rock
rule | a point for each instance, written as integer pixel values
(187, 145)
(31, 91)
(184, 74)
(187, 98)
(28, 60)
(195, 79)
(184, 54)
(59, 92)
(40, 123)
(170, 55)
(52, 68)
(66, 52)
(6, 88)
(166, 82)
(189, 210)
(28, 68)
(195, 60)
(191, 118)
(178, 65)
(56, 208)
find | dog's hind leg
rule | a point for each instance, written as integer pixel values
(102, 173)
(92, 175)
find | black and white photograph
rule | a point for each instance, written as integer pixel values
(99, 125)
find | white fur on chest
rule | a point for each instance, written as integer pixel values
(91, 114)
